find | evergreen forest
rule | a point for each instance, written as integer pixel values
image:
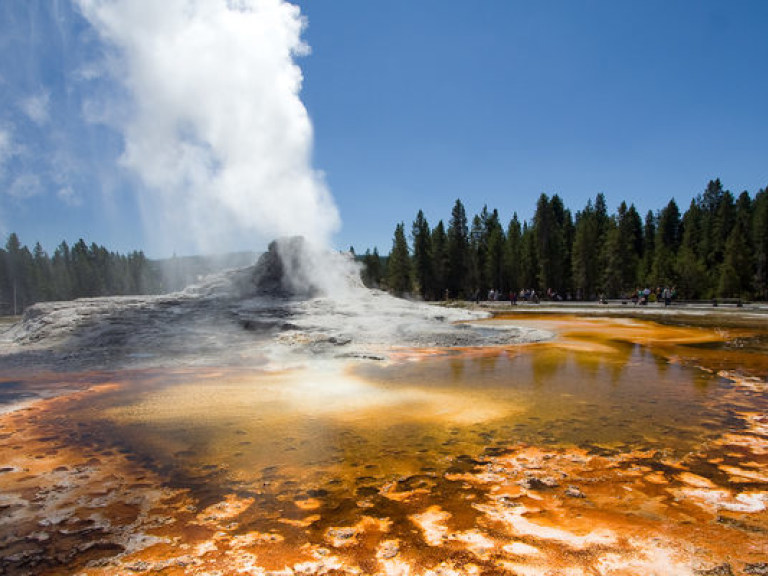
(29, 276)
(716, 248)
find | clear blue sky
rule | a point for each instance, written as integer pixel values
(415, 104)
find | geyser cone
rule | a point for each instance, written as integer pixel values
(292, 267)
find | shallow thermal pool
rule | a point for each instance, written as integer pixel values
(618, 446)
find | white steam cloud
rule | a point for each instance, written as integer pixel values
(215, 128)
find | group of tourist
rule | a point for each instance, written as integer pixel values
(526, 294)
(666, 295)
(640, 296)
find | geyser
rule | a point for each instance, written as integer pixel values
(292, 267)
(297, 302)
(212, 121)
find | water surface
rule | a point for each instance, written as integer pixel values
(332, 444)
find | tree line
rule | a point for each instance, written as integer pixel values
(29, 276)
(717, 248)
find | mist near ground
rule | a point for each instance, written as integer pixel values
(178, 272)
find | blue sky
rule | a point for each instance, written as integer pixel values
(415, 104)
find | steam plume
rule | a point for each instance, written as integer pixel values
(214, 126)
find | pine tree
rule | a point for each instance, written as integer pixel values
(692, 223)
(735, 272)
(718, 213)
(43, 289)
(633, 228)
(399, 264)
(544, 231)
(612, 257)
(422, 257)
(513, 256)
(371, 274)
(760, 243)
(528, 263)
(585, 257)
(475, 280)
(458, 251)
(667, 243)
(690, 273)
(744, 211)
(493, 239)
(143, 279)
(601, 214)
(16, 288)
(649, 249)
(494, 264)
(551, 253)
(62, 273)
(689, 266)
(713, 195)
(744, 218)
(725, 218)
(710, 246)
(440, 265)
(569, 235)
(623, 250)
(603, 223)
(486, 240)
(82, 271)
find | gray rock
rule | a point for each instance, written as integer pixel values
(536, 483)
(388, 550)
(282, 270)
(574, 492)
(720, 570)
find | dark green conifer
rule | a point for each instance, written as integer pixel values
(513, 256)
(458, 252)
(440, 265)
(423, 276)
(399, 264)
(735, 272)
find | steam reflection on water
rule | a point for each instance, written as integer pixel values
(318, 427)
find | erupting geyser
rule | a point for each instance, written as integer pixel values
(292, 267)
(212, 121)
(296, 298)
